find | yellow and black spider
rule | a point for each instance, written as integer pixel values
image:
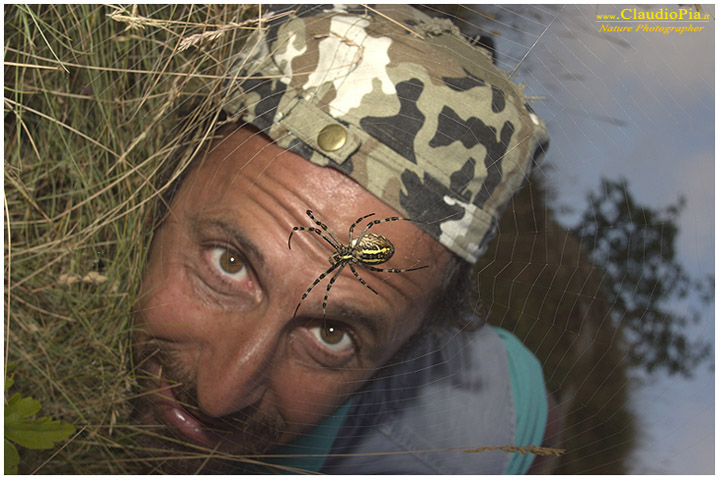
(365, 250)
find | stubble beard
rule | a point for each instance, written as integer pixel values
(164, 449)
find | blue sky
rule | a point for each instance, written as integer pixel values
(640, 106)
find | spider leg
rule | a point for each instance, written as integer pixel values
(323, 226)
(392, 270)
(315, 230)
(318, 280)
(352, 227)
(330, 284)
(352, 267)
(375, 222)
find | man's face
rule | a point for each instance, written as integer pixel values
(227, 365)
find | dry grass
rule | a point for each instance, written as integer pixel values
(97, 100)
(101, 103)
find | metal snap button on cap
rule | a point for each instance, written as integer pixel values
(332, 137)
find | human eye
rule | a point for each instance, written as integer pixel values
(335, 343)
(333, 337)
(228, 264)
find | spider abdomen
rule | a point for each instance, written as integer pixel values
(366, 250)
(372, 249)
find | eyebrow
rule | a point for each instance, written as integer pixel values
(354, 316)
(232, 230)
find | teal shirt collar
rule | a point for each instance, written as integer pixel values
(307, 454)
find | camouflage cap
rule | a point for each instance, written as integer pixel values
(406, 107)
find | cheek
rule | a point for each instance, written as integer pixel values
(409, 321)
(166, 309)
(305, 397)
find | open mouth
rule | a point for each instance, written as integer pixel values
(185, 422)
(243, 433)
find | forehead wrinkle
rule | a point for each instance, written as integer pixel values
(238, 157)
(276, 176)
(265, 164)
(294, 201)
(402, 285)
(260, 177)
(347, 286)
(258, 143)
(290, 198)
(346, 279)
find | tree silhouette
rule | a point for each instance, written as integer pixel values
(635, 245)
(537, 281)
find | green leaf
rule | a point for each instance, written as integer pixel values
(12, 458)
(19, 407)
(10, 380)
(38, 434)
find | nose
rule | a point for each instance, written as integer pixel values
(235, 366)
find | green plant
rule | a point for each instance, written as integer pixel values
(21, 428)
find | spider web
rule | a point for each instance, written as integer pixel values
(632, 105)
(612, 102)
